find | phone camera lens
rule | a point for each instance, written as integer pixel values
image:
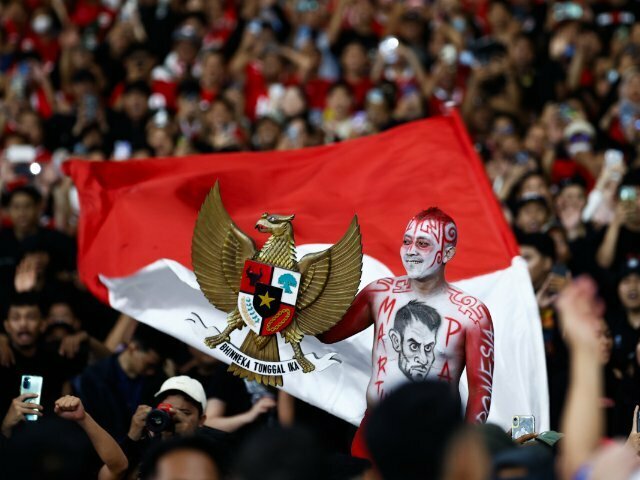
(26, 383)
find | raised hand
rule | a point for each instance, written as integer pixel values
(634, 437)
(580, 313)
(261, 406)
(70, 345)
(26, 276)
(70, 408)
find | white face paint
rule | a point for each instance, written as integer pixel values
(423, 247)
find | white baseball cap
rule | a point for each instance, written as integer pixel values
(187, 385)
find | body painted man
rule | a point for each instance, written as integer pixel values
(424, 327)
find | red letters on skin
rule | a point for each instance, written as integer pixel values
(451, 332)
(444, 373)
(387, 307)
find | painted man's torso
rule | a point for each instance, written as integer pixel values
(425, 329)
(462, 318)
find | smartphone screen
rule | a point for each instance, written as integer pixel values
(613, 158)
(121, 150)
(31, 384)
(628, 193)
(522, 425)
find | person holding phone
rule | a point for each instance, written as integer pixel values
(622, 236)
(18, 411)
(548, 279)
(23, 325)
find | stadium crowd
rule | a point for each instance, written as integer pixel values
(550, 94)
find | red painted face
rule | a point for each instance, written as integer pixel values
(424, 246)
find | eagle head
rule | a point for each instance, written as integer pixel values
(274, 224)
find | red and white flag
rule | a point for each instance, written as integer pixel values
(137, 220)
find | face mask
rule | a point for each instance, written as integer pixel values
(41, 24)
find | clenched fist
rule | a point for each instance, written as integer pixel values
(70, 408)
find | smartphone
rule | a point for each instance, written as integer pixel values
(31, 384)
(566, 11)
(522, 425)
(255, 27)
(628, 193)
(90, 107)
(121, 150)
(388, 49)
(613, 158)
(560, 270)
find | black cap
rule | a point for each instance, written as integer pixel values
(138, 86)
(575, 180)
(542, 242)
(530, 198)
(84, 75)
(138, 47)
(188, 88)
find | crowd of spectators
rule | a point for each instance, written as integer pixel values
(550, 94)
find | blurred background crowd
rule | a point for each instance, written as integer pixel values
(549, 91)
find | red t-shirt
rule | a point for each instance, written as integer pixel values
(48, 49)
(360, 89)
(316, 92)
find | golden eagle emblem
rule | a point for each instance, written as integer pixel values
(269, 290)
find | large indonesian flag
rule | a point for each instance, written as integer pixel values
(137, 220)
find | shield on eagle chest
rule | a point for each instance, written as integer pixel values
(267, 298)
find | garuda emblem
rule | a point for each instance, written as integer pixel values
(268, 290)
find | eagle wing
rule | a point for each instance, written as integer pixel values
(218, 252)
(329, 284)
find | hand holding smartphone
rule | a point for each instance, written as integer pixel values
(522, 425)
(31, 384)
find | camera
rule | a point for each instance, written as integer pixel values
(160, 419)
(26, 383)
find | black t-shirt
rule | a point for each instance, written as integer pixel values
(583, 253)
(111, 397)
(125, 129)
(53, 369)
(625, 338)
(58, 132)
(74, 366)
(225, 387)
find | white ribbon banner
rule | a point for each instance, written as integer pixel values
(283, 367)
